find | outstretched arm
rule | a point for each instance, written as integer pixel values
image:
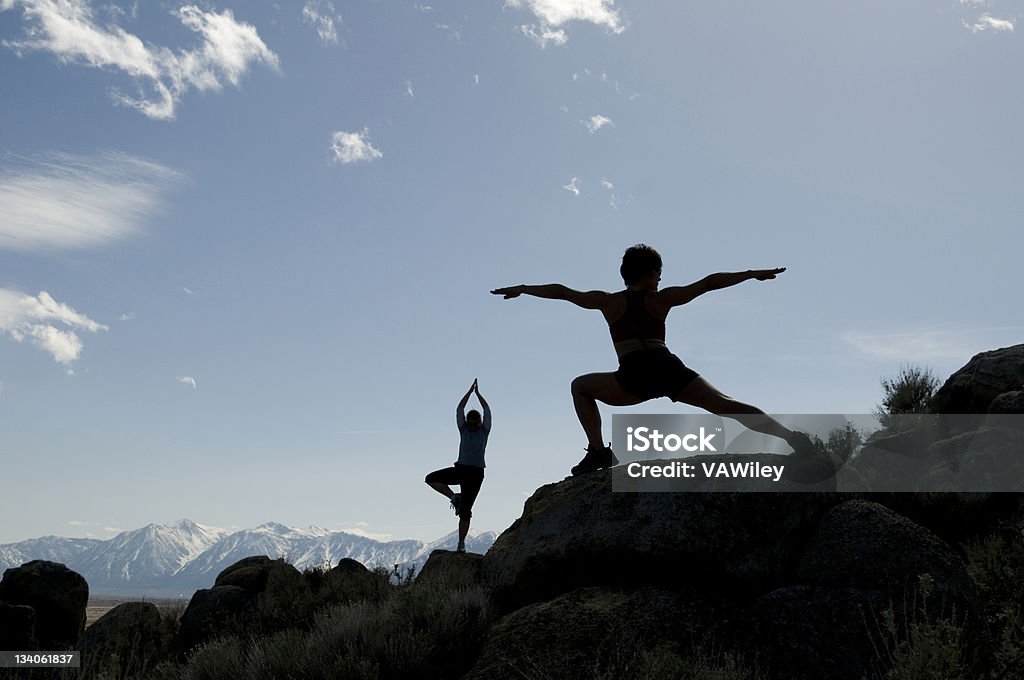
(593, 299)
(680, 295)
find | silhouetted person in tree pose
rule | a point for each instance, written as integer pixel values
(647, 369)
(468, 472)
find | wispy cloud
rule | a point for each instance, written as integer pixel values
(595, 123)
(573, 187)
(987, 22)
(553, 14)
(68, 30)
(928, 344)
(130, 316)
(49, 325)
(322, 15)
(61, 200)
(187, 380)
(352, 147)
(408, 89)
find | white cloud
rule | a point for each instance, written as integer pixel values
(544, 35)
(323, 22)
(66, 201)
(39, 319)
(476, 78)
(67, 29)
(359, 531)
(352, 147)
(607, 184)
(573, 187)
(127, 317)
(987, 22)
(595, 123)
(552, 14)
(408, 89)
(917, 345)
(187, 380)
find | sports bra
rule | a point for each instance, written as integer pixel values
(637, 323)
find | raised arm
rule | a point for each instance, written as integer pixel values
(485, 405)
(460, 412)
(674, 296)
(592, 299)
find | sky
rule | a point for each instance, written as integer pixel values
(246, 249)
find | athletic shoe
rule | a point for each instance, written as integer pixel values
(461, 548)
(596, 459)
(456, 502)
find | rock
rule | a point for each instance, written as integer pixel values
(1008, 403)
(350, 566)
(58, 596)
(579, 532)
(864, 545)
(211, 612)
(128, 640)
(17, 627)
(812, 632)
(452, 569)
(986, 376)
(596, 632)
(254, 593)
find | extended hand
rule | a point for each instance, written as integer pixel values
(509, 292)
(765, 274)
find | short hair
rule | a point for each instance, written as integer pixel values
(473, 414)
(639, 261)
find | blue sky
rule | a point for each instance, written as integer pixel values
(246, 248)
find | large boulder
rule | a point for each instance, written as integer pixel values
(17, 627)
(453, 569)
(579, 532)
(973, 388)
(864, 545)
(57, 594)
(255, 593)
(128, 640)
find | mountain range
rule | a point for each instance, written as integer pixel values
(175, 560)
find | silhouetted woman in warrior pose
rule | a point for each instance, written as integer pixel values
(647, 369)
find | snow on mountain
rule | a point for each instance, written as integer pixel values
(177, 559)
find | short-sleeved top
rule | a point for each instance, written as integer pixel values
(473, 442)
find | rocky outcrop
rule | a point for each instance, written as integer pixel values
(129, 640)
(973, 388)
(579, 532)
(56, 594)
(795, 579)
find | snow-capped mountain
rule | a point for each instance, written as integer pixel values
(175, 560)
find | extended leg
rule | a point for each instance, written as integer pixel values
(704, 395)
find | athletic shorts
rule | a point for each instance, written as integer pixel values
(468, 478)
(651, 373)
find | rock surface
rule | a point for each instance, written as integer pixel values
(986, 376)
(130, 637)
(451, 568)
(58, 596)
(17, 627)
